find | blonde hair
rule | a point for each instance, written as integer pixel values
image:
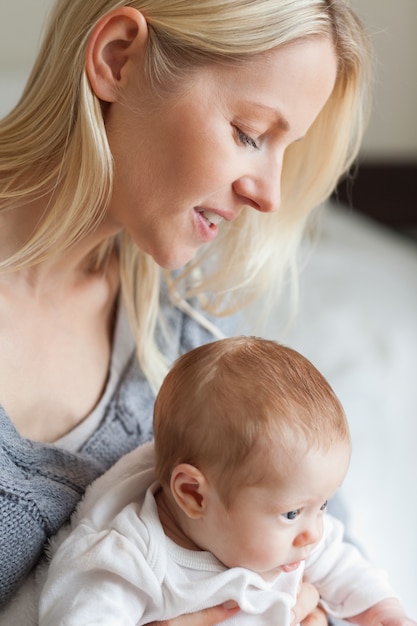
(224, 406)
(55, 139)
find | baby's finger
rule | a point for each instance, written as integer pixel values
(304, 610)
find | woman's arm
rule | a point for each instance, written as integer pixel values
(39, 489)
(306, 612)
(389, 612)
(206, 617)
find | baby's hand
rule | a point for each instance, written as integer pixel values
(386, 613)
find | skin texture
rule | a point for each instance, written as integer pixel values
(196, 511)
(268, 528)
(218, 148)
(218, 145)
(307, 598)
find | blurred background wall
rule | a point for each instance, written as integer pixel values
(392, 133)
(385, 187)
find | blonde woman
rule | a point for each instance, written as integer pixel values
(141, 175)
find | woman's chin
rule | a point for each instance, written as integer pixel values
(172, 261)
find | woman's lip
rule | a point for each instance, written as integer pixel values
(207, 230)
(212, 217)
(215, 214)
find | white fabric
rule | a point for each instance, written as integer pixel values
(122, 349)
(357, 323)
(118, 567)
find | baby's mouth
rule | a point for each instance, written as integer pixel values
(291, 567)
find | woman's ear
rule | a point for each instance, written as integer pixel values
(118, 38)
(189, 487)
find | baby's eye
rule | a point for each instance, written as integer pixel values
(323, 506)
(291, 514)
(246, 140)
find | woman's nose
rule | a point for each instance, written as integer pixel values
(261, 190)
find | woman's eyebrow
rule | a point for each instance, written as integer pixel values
(280, 119)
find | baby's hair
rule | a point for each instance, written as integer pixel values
(222, 404)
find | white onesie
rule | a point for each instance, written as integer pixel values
(118, 567)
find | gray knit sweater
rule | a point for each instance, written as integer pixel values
(41, 484)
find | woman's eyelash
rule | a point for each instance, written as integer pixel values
(246, 140)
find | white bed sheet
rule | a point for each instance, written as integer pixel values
(357, 322)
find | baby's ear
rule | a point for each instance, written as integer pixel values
(189, 488)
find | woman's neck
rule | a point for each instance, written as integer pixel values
(57, 271)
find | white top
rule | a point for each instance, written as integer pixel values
(119, 568)
(122, 348)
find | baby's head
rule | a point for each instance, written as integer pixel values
(256, 431)
(240, 408)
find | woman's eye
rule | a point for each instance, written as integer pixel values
(246, 140)
(323, 506)
(291, 514)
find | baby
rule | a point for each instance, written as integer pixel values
(228, 504)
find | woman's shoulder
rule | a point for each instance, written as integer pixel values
(189, 325)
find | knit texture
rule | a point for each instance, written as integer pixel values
(40, 484)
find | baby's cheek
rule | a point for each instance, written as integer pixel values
(264, 555)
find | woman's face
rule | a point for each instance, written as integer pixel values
(187, 163)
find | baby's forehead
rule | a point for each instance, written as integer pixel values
(278, 466)
(280, 448)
